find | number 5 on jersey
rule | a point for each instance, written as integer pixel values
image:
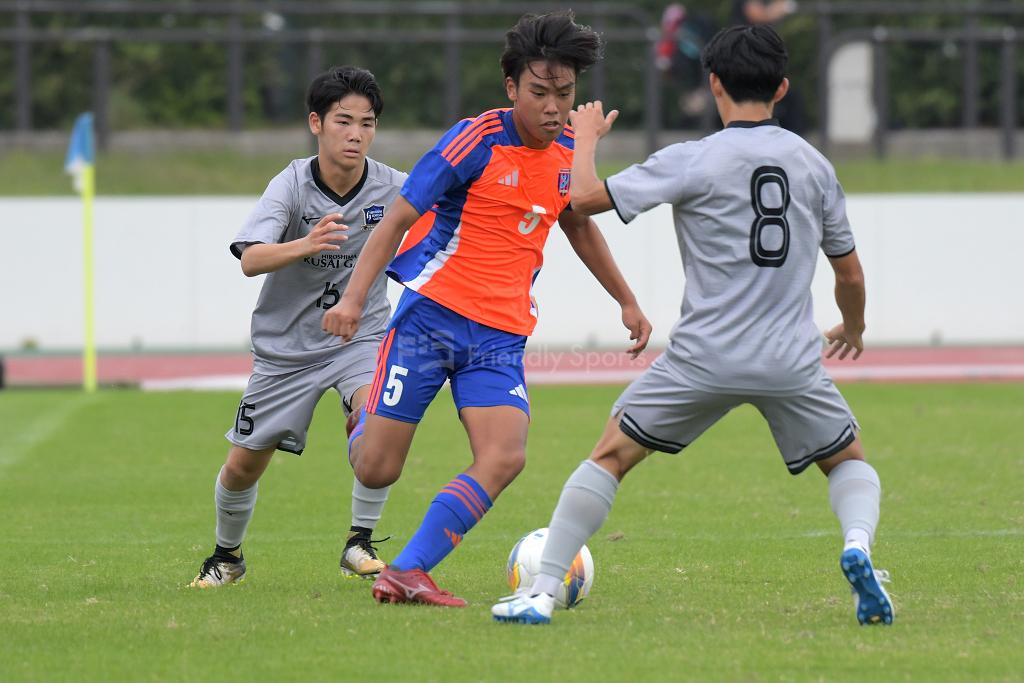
(392, 393)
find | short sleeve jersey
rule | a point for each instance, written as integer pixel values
(286, 324)
(487, 203)
(752, 205)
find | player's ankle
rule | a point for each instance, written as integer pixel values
(545, 584)
(230, 554)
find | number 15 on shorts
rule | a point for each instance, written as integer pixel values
(392, 393)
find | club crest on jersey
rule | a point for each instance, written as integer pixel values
(564, 176)
(372, 215)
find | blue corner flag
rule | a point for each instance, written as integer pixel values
(81, 151)
(80, 163)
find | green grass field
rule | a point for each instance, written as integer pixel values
(726, 568)
(226, 172)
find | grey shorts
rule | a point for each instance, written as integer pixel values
(663, 412)
(276, 410)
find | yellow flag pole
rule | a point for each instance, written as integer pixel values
(89, 348)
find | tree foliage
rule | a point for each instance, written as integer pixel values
(169, 85)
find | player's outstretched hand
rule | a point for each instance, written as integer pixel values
(342, 320)
(639, 328)
(843, 342)
(323, 237)
(588, 120)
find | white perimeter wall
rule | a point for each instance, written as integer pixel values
(938, 267)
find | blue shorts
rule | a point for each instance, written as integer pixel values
(427, 344)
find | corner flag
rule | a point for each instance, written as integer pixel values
(81, 152)
(80, 163)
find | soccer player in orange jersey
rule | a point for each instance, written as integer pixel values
(480, 205)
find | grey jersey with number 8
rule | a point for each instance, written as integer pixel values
(286, 324)
(752, 206)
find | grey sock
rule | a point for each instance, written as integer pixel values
(234, 510)
(584, 505)
(367, 504)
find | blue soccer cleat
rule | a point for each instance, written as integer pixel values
(522, 608)
(869, 597)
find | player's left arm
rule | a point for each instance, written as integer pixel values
(589, 244)
(848, 336)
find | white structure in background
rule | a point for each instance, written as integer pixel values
(939, 268)
(851, 109)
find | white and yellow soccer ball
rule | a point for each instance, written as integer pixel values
(524, 566)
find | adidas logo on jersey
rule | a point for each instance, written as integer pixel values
(511, 180)
(519, 391)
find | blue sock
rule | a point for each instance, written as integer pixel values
(455, 510)
(357, 431)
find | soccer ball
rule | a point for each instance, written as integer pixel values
(524, 566)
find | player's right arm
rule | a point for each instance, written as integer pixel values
(589, 194)
(261, 258)
(848, 336)
(659, 179)
(342, 320)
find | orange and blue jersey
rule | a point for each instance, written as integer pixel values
(487, 203)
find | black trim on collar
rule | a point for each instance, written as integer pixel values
(314, 167)
(753, 124)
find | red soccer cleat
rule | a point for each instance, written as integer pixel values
(412, 585)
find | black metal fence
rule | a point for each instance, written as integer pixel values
(617, 23)
(971, 36)
(444, 25)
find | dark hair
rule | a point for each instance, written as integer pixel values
(553, 38)
(336, 83)
(749, 60)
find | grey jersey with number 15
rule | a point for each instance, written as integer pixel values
(752, 205)
(286, 324)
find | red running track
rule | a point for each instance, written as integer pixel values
(566, 366)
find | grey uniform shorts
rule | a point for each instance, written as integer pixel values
(662, 411)
(276, 410)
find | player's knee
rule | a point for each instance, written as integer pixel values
(376, 473)
(618, 457)
(855, 451)
(511, 464)
(501, 465)
(240, 473)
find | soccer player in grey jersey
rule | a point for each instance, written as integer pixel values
(306, 234)
(752, 205)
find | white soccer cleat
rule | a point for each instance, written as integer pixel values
(217, 571)
(522, 608)
(359, 558)
(872, 603)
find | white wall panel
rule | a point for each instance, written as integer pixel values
(939, 267)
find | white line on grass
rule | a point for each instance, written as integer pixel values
(961, 372)
(20, 440)
(289, 538)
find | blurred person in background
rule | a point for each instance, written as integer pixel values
(677, 56)
(761, 11)
(790, 111)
